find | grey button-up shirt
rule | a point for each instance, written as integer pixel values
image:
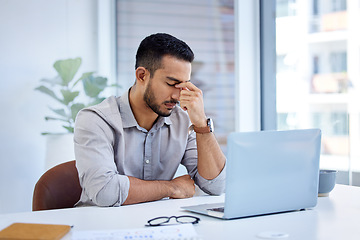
(110, 145)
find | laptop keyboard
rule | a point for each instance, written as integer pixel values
(219, 209)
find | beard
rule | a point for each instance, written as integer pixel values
(150, 100)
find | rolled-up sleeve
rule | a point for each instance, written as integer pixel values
(99, 178)
(214, 186)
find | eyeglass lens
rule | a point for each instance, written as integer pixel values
(179, 219)
(159, 220)
(186, 219)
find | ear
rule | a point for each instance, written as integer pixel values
(141, 75)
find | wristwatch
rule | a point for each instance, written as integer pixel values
(208, 129)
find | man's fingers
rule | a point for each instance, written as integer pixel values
(184, 187)
(191, 100)
(187, 86)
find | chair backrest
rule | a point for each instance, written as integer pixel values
(57, 188)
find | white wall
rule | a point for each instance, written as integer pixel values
(33, 35)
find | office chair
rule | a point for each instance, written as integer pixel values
(58, 187)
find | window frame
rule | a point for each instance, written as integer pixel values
(106, 35)
(247, 65)
(268, 64)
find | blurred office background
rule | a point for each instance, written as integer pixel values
(314, 70)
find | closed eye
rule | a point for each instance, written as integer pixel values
(171, 85)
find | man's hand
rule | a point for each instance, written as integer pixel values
(191, 100)
(182, 187)
(146, 191)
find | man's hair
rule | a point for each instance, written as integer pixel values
(155, 46)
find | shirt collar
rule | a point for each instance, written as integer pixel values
(128, 118)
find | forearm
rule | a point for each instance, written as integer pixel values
(211, 159)
(146, 191)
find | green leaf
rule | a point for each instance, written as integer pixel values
(70, 129)
(96, 101)
(85, 75)
(57, 119)
(49, 92)
(75, 108)
(93, 86)
(49, 133)
(67, 69)
(69, 96)
(60, 112)
(115, 85)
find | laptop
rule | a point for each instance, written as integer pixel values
(268, 172)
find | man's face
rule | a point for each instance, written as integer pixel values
(160, 94)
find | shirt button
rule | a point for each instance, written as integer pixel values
(147, 161)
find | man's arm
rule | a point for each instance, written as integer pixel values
(145, 191)
(211, 159)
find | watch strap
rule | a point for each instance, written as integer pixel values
(208, 129)
(202, 129)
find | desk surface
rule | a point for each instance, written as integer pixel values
(334, 217)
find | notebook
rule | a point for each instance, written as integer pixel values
(32, 231)
(268, 172)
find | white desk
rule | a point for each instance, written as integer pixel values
(335, 217)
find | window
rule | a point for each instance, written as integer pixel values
(318, 88)
(207, 27)
(285, 8)
(316, 65)
(338, 5)
(338, 62)
(315, 9)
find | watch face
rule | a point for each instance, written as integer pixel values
(210, 124)
(191, 129)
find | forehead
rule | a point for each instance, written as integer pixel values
(174, 69)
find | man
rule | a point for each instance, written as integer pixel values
(128, 148)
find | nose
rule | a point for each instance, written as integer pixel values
(176, 94)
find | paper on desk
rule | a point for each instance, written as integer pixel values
(178, 232)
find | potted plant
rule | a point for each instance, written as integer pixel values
(67, 90)
(63, 89)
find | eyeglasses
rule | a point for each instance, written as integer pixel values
(180, 219)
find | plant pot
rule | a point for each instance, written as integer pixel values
(59, 149)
